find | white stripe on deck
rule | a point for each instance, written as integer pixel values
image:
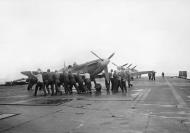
(3, 116)
(140, 95)
(176, 95)
(143, 94)
(146, 94)
(137, 90)
(17, 96)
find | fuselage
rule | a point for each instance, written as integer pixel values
(93, 67)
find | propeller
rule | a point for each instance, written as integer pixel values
(124, 64)
(111, 56)
(96, 55)
(134, 67)
(129, 65)
(115, 64)
(105, 63)
(119, 66)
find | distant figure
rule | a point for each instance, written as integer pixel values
(40, 83)
(153, 75)
(162, 74)
(129, 80)
(149, 76)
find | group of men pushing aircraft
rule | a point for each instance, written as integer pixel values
(80, 76)
(50, 82)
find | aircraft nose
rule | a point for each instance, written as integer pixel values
(105, 62)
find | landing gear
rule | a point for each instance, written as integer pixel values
(107, 84)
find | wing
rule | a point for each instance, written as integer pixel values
(141, 72)
(29, 74)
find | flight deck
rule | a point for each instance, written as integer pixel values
(149, 106)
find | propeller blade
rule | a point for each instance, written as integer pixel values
(125, 64)
(115, 64)
(129, 65)
(96, 55)
(134, 67)
(106, 73)
(111, 56)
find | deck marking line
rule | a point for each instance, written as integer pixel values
(27, 100)
(3, 116)
(143, 94)
(146, 94)
(140, 95)
(176, 95)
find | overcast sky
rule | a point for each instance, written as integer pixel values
(44, 33)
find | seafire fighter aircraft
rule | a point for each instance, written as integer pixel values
(137, 73)
(122, 67)
(94, 67)
(132, 71)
